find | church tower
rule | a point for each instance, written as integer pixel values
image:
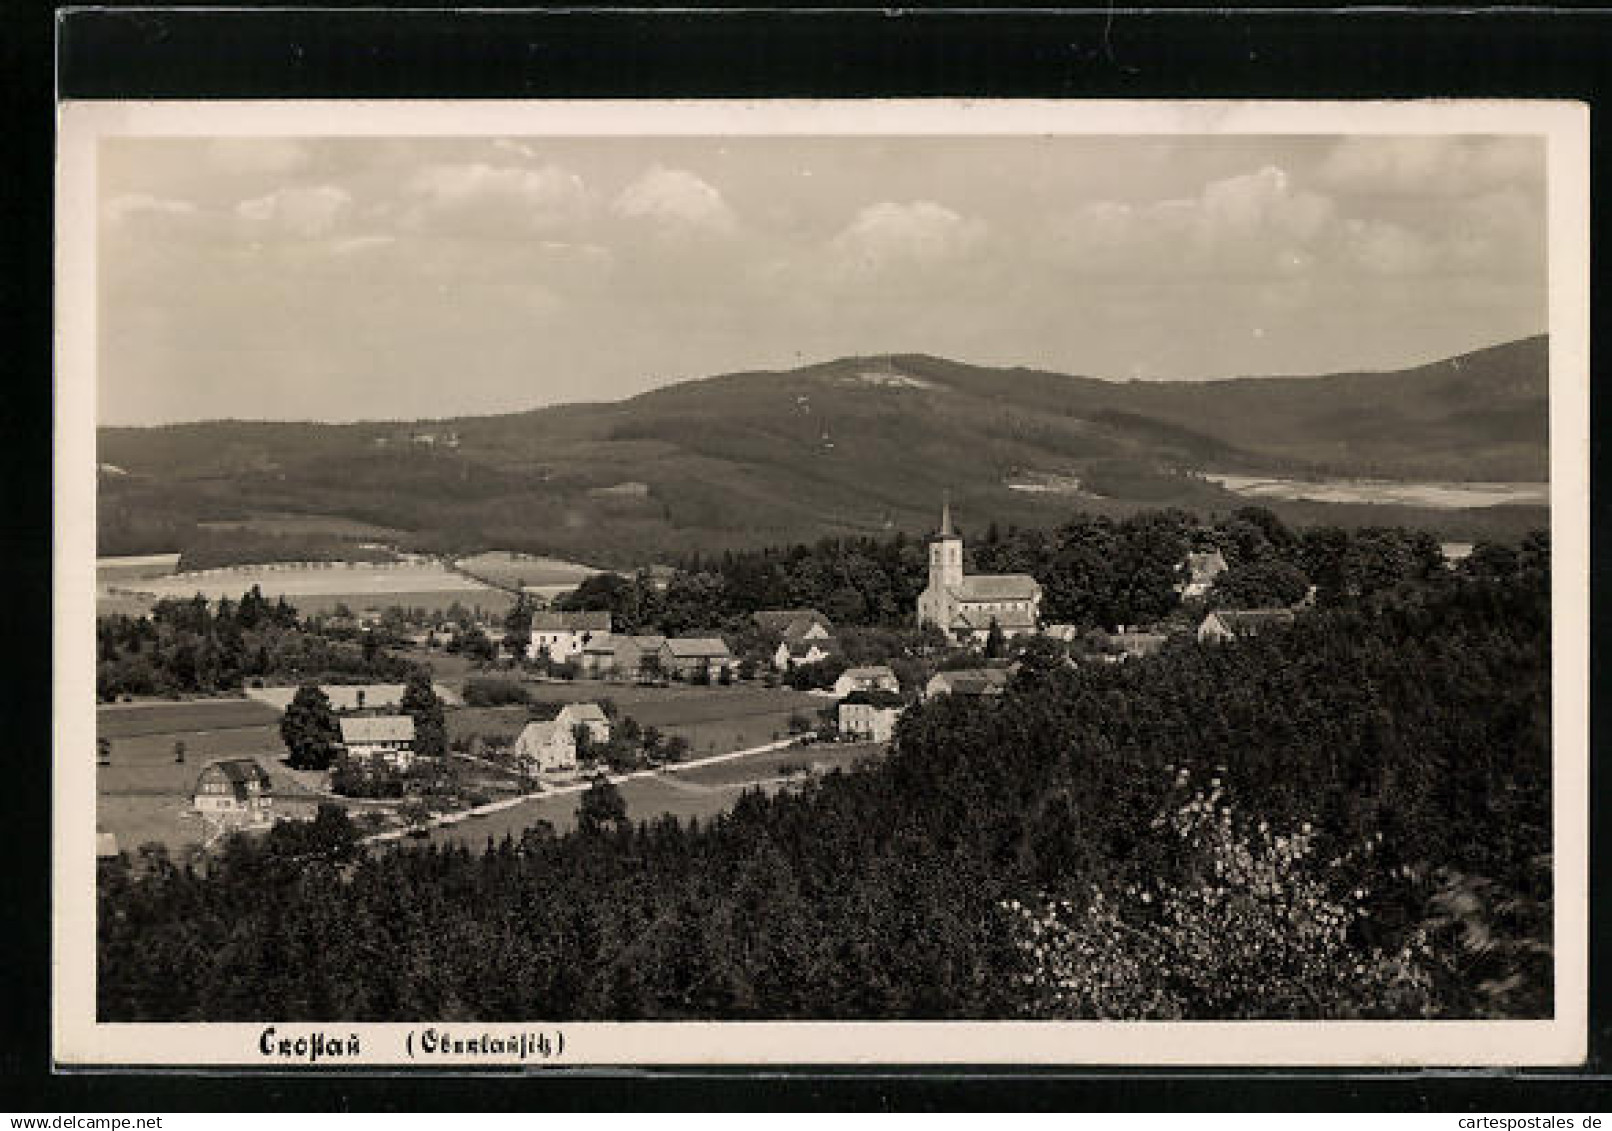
(945, 553)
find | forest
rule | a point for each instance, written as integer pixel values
(1346, 818)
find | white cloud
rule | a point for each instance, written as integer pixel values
(918, 233)
(677, 201)
(474, 198)
(1252, 224)
(302, 212)
(1432, 166)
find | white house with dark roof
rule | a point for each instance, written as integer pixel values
(564, 635)
(964, 606)
(547, 747)
(233, 791)
(388, 737)
(1230, 624)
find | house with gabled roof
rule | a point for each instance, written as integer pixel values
(968, 681)
(562, 636)
(873, 677)
(966, 606)
(1231, 624)
(684, 656)
(869, 715)
(233, 791)
(387, 737)
(813, 650)
(589, 715)
(547, 747)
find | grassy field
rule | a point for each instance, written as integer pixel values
(120, 720)
(511, 569)
(713, 719)
(700, 793)
(326, 525)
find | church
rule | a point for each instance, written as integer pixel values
(964, 605)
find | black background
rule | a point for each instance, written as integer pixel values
(844, 53)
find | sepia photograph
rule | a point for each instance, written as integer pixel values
(933, 582)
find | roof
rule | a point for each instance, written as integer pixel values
(1004, 618)
(884, 700)
(584, 713)
(543, 733)
(974, 681)
(571, 622)
(603, 644)
(871, 671)
(780, 620)
(1138, 643)
(377, 728)
(642, 643)
(695, 647)
(997, 587)
(827, 645)
(1251, 620)
(238, 770)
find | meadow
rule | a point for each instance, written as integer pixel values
(514, 570)
(322, 586)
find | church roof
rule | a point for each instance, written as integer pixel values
(997, 587)
(980, 619)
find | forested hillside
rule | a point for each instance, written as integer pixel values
(854, 446)
(1347, 818)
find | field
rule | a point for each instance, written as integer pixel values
(513, 570)
(1442, 496)
(713, 719)
(140, 567)
(320, 587)
(144, 795)
(701, 793)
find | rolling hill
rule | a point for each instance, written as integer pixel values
(857, 445)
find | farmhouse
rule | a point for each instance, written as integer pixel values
(875, 678)
(234, 791)
(638, 655)
(589, 715)
(686, 656)
(560, 636)
(1229, 624)
(793, 653)
(388, 737)
(804, 636)
(598, 656)
(547, 747)
(869, 715)
(968, 681)
(1199, 572)
(966, 606)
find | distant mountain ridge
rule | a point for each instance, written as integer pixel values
(846, 446)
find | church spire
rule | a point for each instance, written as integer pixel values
(946, 515)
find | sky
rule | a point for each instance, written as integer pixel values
(399, 278)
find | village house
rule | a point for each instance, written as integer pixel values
(812, 650)
(589, 715)
(598, 656)
(562, 636)
(688, 656)
(805, 636)
(1067, 633)
(387, 737)
(547, 747)
(877, 677)
(968, 681)
(1199, 572)
(1130, 644)
(1229, 624)
(965, 606)
(234, 791)
(638, 656)
(869, 715)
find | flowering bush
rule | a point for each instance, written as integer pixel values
(1252, 923)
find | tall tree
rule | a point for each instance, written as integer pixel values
(421, 703)
(309, 729)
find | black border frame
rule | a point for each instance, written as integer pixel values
(841, 52)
